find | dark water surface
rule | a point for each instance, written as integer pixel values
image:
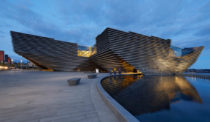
(162, 98)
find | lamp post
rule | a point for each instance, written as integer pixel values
(12, 61)
(21, 63)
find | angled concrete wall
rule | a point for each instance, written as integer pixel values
(151, 55)
(115, 49)
(47, 52)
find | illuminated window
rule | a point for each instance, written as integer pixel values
(84, 51)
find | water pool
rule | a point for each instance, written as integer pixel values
(161, 98)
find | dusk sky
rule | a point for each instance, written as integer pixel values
(185, 22)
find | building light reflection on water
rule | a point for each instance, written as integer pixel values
(140, 95)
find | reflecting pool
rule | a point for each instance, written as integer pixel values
(161, 98)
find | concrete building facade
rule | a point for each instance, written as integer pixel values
(128, 51)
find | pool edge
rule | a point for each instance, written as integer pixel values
(121, 113)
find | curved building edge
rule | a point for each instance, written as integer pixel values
(121, 113)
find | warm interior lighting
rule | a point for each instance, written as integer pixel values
(47, 70)
(129, 69)
(86, 53)
(3, 67)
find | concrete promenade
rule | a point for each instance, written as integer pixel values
(46, 97)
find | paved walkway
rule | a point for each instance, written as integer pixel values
(46, 97)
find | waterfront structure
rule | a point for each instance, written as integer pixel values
(48, 53)
(129, 51)
(149, 54)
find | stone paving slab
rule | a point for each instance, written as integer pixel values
(46, 97)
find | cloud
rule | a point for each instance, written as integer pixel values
(205, 31)
(36, 24)
(187, 23)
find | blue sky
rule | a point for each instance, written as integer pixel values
(185, 22)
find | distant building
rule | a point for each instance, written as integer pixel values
(9, 60)
(6, 58)
(1, 56)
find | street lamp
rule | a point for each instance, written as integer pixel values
(21, 63)
(12, 61)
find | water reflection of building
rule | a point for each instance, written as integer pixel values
(115, 84)
(154, 93)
